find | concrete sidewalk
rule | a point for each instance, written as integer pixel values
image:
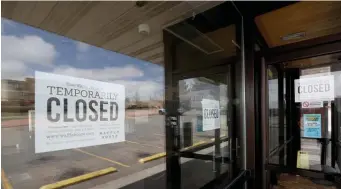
(155, 177)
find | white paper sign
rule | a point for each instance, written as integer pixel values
(314, 89)
(210, 114)
(75, 112)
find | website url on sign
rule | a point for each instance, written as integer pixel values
(70, 135)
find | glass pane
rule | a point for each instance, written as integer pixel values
(69, 109)
(273, 113)
(204, 115)
(317, 97)
(203, 44)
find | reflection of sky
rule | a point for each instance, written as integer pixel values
(26, 49)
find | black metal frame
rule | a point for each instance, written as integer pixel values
(173, 150)
(315, 47)
(256, 110)
(173, 75)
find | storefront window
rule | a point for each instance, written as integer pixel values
(69, 109)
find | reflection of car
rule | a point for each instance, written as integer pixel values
(162, 111)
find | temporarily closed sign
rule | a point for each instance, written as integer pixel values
(75, 112)
(319, 88)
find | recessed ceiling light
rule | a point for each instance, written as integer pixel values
(293, 36)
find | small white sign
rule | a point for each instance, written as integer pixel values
(210, 114)
(319, 88)
(312, 104)
(75, 112)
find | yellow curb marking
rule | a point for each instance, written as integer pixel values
(5, 182)
(222, 136)
(81, 178)
(102, 158)
(163, 154)
(194, 145)
(152, 157)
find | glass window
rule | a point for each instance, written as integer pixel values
(204, 119)
(273, 112)
(69, 109)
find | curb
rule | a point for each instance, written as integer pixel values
(78, 179)
(5, 182)
(163, 154)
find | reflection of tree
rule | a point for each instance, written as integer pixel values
(136, 97)
(127, 100)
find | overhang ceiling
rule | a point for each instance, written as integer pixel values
(109, 25)
(300, 21)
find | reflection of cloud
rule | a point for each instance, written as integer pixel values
(28, 49)
(145, 89)
(82, 47)
(18, 52)
(105, 74)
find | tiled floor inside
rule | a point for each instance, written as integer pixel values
(287, 181)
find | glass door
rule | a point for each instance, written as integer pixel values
(203, 58)
(304, 114)
(206, 133)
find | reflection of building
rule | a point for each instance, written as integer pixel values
(15, 90)
(16, 94)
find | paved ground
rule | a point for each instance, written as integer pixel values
(25, 169)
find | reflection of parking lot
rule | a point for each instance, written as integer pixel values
(25, 169)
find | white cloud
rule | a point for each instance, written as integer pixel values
(105, 74)
(121, 75)
(27, 49)
(18, 52)
(82, 47)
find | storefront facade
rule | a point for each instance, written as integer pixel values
(169, 94)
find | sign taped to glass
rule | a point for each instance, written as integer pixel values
(211, 114)
(75, 112)
(312, 104)
(319, 88)
(312, 125)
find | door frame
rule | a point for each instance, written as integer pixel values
(173, 153)
(172, 74)
(276, 56)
